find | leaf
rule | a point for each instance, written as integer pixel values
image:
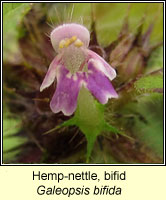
(151, 133)
(110, 17)
(8, 7)
(149, 82)
(12, 15)
(155, 61)
(150, 98)
(10, 140)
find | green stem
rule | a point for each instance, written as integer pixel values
(89, 117)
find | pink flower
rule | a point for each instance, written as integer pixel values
(74, 67)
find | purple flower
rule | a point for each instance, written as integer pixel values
(74, 67)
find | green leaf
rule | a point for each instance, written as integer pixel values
(149, 82)
(110, 17)
(155, 61)
(11, 142)
(8, 7)
(151, 133)
(150, 97)
(12, 15)
(143, 120)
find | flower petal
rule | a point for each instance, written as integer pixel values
(102, 65)
(67, 31)
(51, 73)
(65, 96)
(99, 84)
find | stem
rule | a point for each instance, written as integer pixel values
(89, 118)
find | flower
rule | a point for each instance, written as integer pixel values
(74, 67)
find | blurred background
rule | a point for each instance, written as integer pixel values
(129, 37)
